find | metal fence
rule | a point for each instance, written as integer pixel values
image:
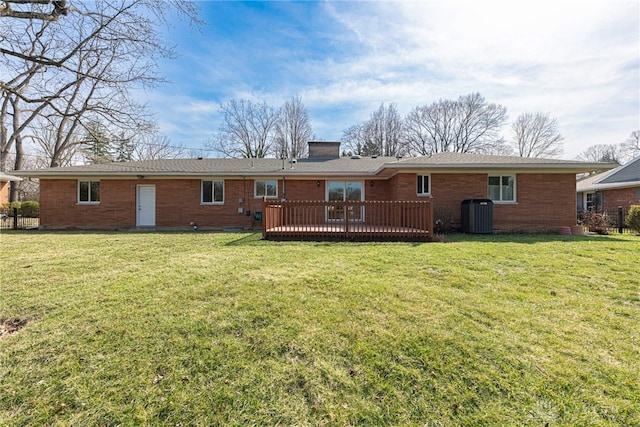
(614, 220)
(18, 219)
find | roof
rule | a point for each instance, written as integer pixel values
(627, 175)
(5, 177)
(351, 166)
(470, 160)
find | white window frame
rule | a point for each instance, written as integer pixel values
(588, 202)
(515, 187)
(89, 201)
(255, 188)
(420, 178)
(213, 195)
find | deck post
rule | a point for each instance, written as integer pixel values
(347, 217)
(429, 224)
(265, 215)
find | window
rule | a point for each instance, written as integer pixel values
(424, 185)
(88, 191)
(212, 191)
(502, 188)
(338, 191)
(266, 189)
(589, 200)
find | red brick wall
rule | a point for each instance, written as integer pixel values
(59, 207)
(177, 203)
(449, 190)
(624, 197)
(4, 192)
(303, 190)
(545, 201)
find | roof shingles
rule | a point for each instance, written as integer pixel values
(365, 166)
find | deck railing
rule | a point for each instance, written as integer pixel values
(349, 220)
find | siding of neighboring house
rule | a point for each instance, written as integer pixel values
(624, 197)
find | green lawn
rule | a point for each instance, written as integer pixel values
(226, 329)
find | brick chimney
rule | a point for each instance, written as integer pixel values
(324, 150)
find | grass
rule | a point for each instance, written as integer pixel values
(226, 329)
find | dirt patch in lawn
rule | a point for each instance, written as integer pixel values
(11, 325)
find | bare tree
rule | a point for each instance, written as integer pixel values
(468, 124)
(499, 149)
(45, 10)
(155, 147)
(247, 129)
(381, 135)
(70, 72)
(631, 147)
(601, 153)
(536, 135)
(293, 130)
(353, 138)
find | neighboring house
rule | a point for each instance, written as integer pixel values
(4, 186)
(528, 194)
(606, 191)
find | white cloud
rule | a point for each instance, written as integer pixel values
(575, 60)
(567, 58)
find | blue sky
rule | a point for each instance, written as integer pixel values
(579, 61)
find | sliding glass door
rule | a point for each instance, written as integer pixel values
(339, 191)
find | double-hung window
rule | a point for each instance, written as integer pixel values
(267, 189)
(589, 201)
(423, 185)
(212, 192)
(502, 188)
(89, 192)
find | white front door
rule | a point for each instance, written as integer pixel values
(146, 205)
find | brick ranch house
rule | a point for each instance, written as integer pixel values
(606, 191)
(535, 195)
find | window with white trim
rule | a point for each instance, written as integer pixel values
(267, 189)
(89, 192)
(423, 185)
(589, 201)
(212, 192)
(502, 188)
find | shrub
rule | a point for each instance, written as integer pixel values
(12, 205)
(596, 222)
(443, 220)
(30, 209)
(633, 218)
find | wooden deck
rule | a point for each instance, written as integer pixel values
(348, 220)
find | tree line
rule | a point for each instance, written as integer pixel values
(468, 124)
